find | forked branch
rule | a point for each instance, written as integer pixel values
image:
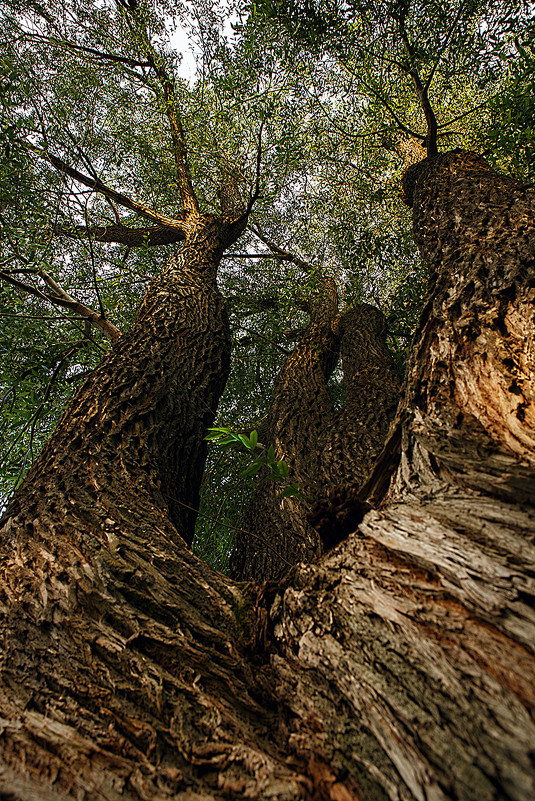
(59, 297)
(422, 90)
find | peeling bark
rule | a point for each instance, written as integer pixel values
(400, 666)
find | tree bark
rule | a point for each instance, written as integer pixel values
(399, 666)
(140, 419)
(329, 453)
(278, 534)
(424, 619)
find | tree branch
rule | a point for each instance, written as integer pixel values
(254, 195)
(280, 253)
(130, 62)
(167, 84)
(253, 334)
(94, 268)
(61, 298)
(376, 93)
(123, 235)
(421, 90)
(177, 223)
(443, 48)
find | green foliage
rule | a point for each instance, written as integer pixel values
(511, 133)
(277, 469)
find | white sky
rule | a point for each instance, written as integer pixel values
(182, 44)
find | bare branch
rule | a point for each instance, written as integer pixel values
(421, 90)
(467, 113)
(377, 94)
(250, 256)
(441, 51)
(279, 252)
(94, 269)
(254, 196)
(253, 334)
(61, 298)
(131, 62)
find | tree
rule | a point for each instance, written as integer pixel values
(181, 313)
(377, 47)
(399, 666)
(330, 452)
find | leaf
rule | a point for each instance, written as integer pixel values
(227, 446)
(252, 468)
(245, 441)
(221, 430)
(291, 490)
(282, 468)
(228, 441)
(271, 456)
(254, 439)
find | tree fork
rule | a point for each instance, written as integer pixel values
(329, 454)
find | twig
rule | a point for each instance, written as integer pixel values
(278, 251)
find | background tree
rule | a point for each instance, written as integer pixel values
(330, 451)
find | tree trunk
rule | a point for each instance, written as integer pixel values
(142, 415)
(329, 453)
(424, 619)
(399, 666)
(278, 533)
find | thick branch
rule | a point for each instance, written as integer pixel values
(122, 200)
(123, 235)
(187, 193)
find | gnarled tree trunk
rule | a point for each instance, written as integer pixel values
(399, 666)
(329, 453)
(424, 620)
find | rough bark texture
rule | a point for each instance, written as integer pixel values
(424, 619)
(400, 666)
(329, 453)
(135, 430)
